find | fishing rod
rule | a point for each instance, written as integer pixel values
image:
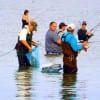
(95, 27)
(10, 51)
(6, 53)
(93, 41)
(38, 15)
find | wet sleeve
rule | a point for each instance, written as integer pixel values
(23, 34)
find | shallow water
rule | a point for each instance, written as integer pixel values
(32, 84)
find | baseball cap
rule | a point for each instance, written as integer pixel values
(71, 26)
(62, 24)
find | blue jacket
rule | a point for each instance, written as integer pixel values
(71, 39)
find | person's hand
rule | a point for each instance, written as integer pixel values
(85, 43)
(37, 43)
(87, 33)
(85, 49)
(91, 34)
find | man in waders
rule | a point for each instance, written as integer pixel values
(70, 50)
(83, 34)
(25, 42)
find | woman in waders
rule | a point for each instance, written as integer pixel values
(25, 42)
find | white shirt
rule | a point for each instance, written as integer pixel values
(60, 33)
(22, 35)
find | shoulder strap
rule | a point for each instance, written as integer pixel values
(64, 36)
(59, 32)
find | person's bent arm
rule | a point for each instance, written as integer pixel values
(56, 39)
(59, 42)
(76, 47)
(26, 45)
(34, 43)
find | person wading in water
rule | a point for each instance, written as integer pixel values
(25, 19)
(70, 50)
(25, 43)
(62, 28)
(83, 34)
(52, 40)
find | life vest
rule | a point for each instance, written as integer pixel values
(20, 47)
(69, 57)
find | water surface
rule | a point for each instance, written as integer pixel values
(31, 84)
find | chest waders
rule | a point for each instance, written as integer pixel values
(22, 50)
(69, 57)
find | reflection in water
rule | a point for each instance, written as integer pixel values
(68, 87)
(23, 78)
